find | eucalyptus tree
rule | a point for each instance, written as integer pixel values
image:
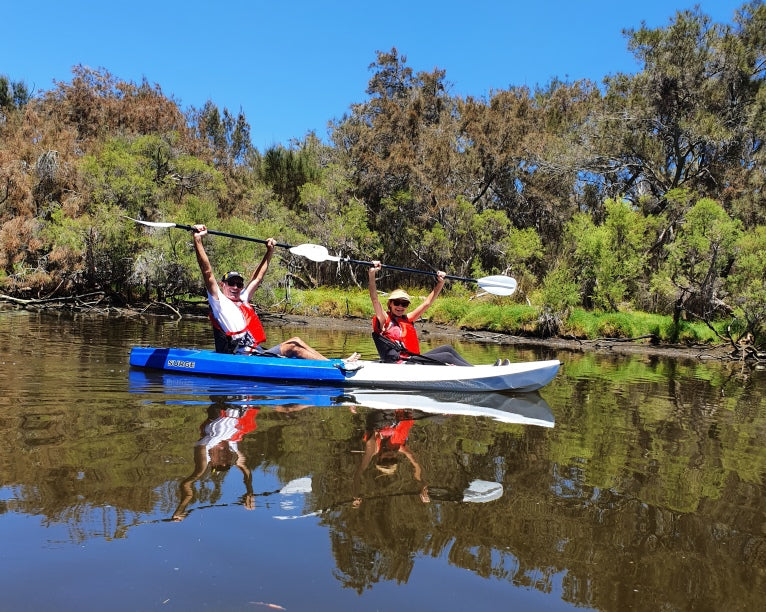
(285, 171)
(223, 140)
(693, 116)
(606, 260)
(227, 136)
(14, 95)
(98, 104)
(495, 155)
(747, 285)
(400, 145)
(45, 150)
(742, 65)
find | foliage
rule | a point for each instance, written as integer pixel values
(645, 193)
(492, 314)
(560, 291)
(13, 94)
(586, 324)
(747, 282)
(286, 171)
(702, 253)
(94, 250)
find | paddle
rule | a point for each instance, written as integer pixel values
(496, 285)
(314, 252)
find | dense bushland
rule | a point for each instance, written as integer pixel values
(644, 193)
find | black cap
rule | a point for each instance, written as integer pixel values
(229, 275)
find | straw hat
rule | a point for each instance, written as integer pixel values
(399, 294)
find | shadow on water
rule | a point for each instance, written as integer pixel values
(627, 483)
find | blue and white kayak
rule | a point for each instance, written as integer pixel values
(519, 377)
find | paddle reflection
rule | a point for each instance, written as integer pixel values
(391, 477)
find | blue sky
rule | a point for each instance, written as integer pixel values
(294, 66)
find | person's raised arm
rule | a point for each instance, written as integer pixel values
(204, 263)
(418, 473)
(415, 314)
(372, 286)
(247, 475)
(260, 271)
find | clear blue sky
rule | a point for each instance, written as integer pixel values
(292, 66)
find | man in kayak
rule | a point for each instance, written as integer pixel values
(236, 326)
(393, 331)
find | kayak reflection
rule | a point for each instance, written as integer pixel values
(521, 408)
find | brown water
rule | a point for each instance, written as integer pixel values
(646, 493)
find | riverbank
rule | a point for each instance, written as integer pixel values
(607, 345)
(708, 351)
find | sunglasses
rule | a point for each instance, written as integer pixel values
(235, 283)
(404, 303)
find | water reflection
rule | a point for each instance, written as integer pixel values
(385, 444)
(523, 408)
(229, 420)
(645, 492)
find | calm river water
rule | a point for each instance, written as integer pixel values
(637, 485)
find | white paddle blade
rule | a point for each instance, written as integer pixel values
(498, 285)
(482, 491)
(152, 223)
(314, 252)
(296, 486)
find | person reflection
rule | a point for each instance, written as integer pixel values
(385, 442)
(218, 449)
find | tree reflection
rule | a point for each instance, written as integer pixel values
(647, 494)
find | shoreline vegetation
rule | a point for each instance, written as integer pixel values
(631, 211)
(472, 320)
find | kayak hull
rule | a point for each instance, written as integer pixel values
(521, 377)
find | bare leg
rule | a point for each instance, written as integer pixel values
(298, 349)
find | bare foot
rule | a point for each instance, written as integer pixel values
(353, 357)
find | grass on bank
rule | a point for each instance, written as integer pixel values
(498, 314)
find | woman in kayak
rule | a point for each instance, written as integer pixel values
(236, 326)
(393, 331)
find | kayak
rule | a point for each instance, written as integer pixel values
(520, 377)
(516, 408)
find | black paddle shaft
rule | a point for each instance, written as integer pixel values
(411, 270)
(238, 237)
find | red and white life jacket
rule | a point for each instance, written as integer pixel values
(400, 335)
(242, 340)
